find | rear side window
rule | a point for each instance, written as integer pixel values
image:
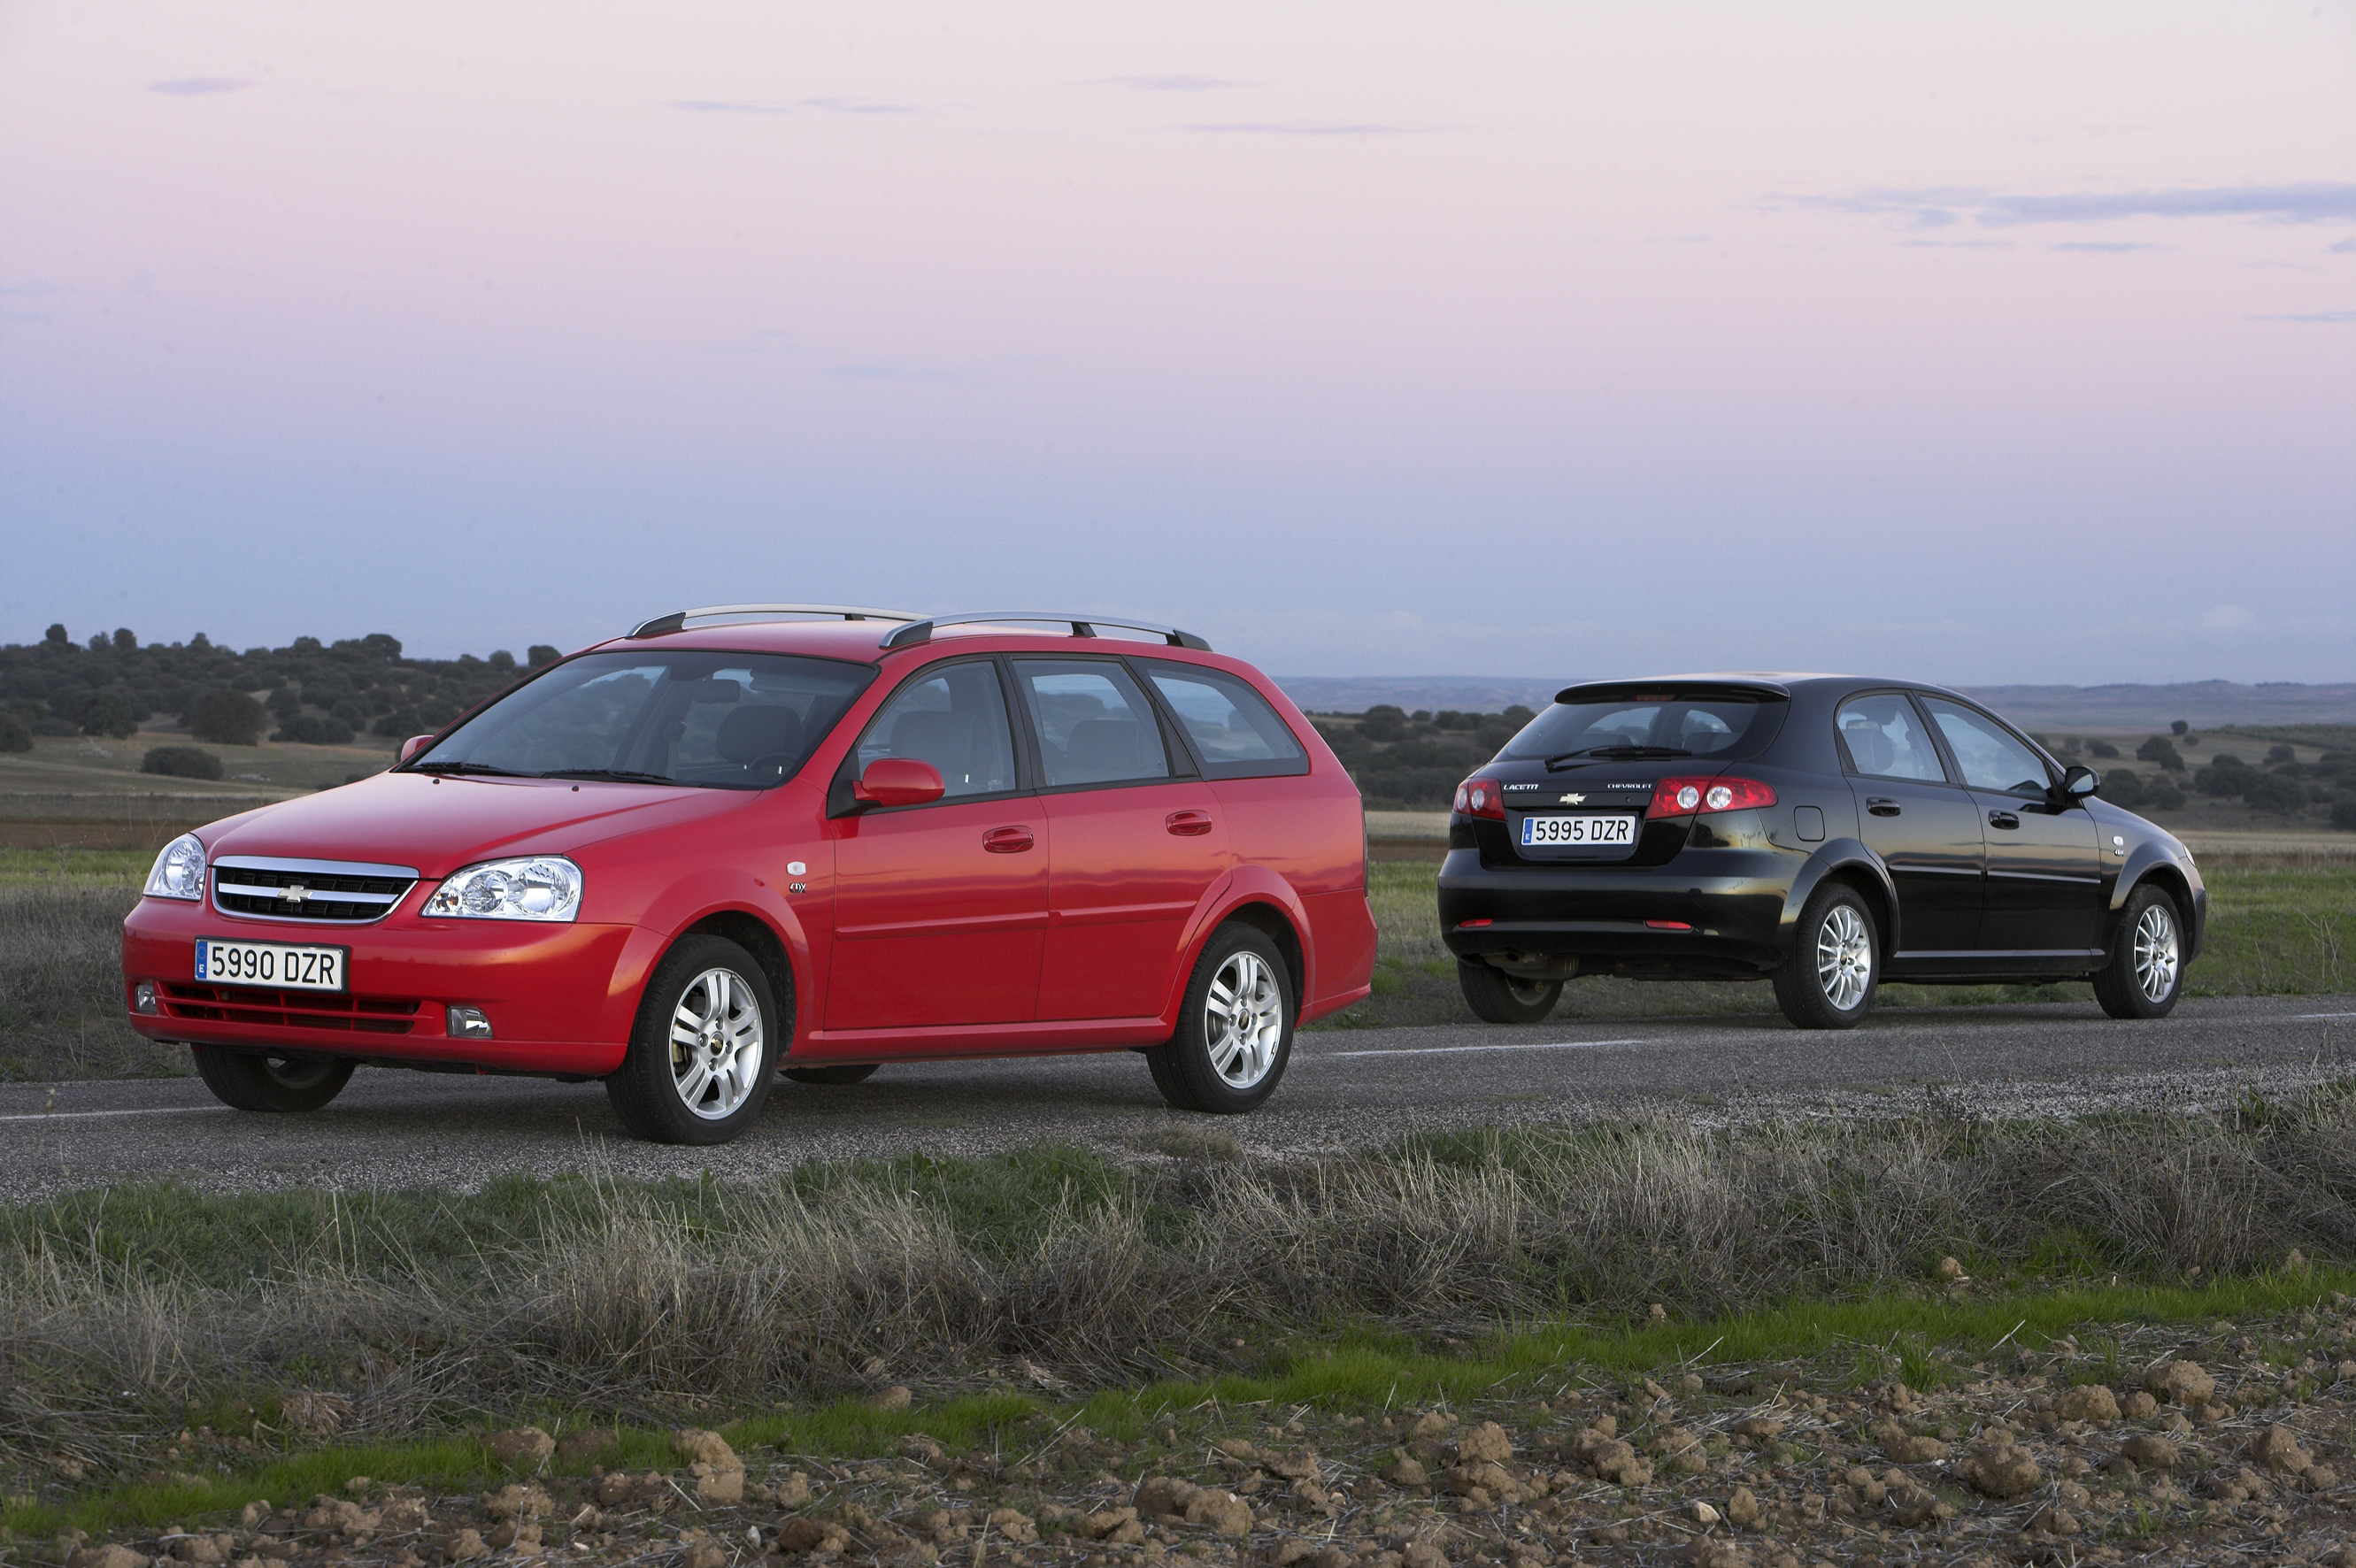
(1094, 724)
(1886, 738)
(1659, 723)
(1232, 726)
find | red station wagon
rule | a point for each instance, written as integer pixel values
(801, 839)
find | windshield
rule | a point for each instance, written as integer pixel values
(715, 721)
(1645, 724)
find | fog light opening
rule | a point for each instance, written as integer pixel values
(143, 998)
(468, 1023)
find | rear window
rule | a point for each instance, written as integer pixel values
(1237, 734)
(1641, 723)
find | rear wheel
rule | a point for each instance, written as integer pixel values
(2145, 973)
(1836, 964)
(1498, 997)
(1235, 1028)
(700, 1059)
(853, 1073)
(265, 1083)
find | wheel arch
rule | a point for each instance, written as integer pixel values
(2161, 873)
(1272, 922)
(1853, 865)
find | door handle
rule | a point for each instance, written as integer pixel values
(1882, 806)
(1006, 840)
(1188, 824)
(2003, 819)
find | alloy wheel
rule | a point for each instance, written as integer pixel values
(2156, 956)
(1844, 957)
(716, 1044)
(1243, 1019)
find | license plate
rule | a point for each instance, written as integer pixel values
(278, 963)
(1542, 830)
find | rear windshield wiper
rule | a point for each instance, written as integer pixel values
(483, 768)
(1618, 753)
(624, 775)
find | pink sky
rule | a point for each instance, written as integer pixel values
(1980, 343)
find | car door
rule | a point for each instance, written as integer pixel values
(2044, 890)
(1925, 826)
(940, 910)
(1136, 841)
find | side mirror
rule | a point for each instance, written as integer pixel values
(2079, 783)
(899, 781)
(413, 745)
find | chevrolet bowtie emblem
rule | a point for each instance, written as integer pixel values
(294, 894)
(1572, 799)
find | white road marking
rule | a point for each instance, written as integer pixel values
(1511, 1045)
(2305, 1016)
(69, 1115)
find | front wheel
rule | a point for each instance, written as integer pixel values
(1497, 997)
(267, 1083)
(1829, 980)
(1235, 1028)
(701, 1057)
(2145, 973)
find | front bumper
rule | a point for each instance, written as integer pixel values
(1719, 912)
(560, 998)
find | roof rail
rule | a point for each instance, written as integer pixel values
(917, 632)
(678, 619)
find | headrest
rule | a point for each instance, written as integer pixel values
(752, 732)
(1102, 748)
(1871, 748)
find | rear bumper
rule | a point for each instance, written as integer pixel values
(1709, 913)
(553, 993)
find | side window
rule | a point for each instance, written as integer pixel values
(1094, 724)
(954, 718)
(1886, 738)
(1237, 733)
(1990, 758)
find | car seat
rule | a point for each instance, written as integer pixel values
(942, 739)
(1102, 748)
(757, 734)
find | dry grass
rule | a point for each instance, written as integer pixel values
(60, 984)
(128, 1309)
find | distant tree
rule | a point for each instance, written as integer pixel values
(2101, 748)
(2281, 754)
(334, 731)
(2157, 750)
(2272, 791)
(502, 661)
(126, 641)
(1518, 715)
(14, 735)
(2123, 788)
(2343, 811)
(2164, 796)
(226, 718)
(99, 643)
(1421, 715)
(286, 703)
(1384, 721)
(181, 763)
(56, 635)
(107, 711)
(540, 654)
(2180, 727)
(2228, 775)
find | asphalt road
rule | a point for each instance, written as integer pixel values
(1343, 1090)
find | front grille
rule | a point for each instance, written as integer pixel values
(314, 890)
(291, 1009)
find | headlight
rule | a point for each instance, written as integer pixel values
(540, 886)
(179, 871)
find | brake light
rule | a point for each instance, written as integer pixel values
(1699, 797)
(1480, 797)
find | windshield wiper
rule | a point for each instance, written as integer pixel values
(1617, 754)
(624, 775)
(484, 768)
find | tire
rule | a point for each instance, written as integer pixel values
(247, 1082)
(1836, 964)
(1235, 1027)
(1497, 997)
(854, 1072)
(2145, 973)
(704, 1052)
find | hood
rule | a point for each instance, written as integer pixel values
(409, 819)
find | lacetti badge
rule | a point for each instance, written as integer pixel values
(294, 893)
(1572, 799)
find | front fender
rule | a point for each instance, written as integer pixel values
(1851, 855)
(2144, 862)
(697, 898)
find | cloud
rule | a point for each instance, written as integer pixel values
(2313, 318)
(717, 106)
(2343, 248)
(1957, 244)
(922, 373)
(1308, 128)
(847, 106)
(2313, 201)
(2105, 248)
(195, 86)
(1166, 83)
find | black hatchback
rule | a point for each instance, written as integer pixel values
(1824, 832)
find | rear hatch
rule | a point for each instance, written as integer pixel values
(1578, 783)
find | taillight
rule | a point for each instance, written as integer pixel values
(1480, 797)
(1699, 797)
